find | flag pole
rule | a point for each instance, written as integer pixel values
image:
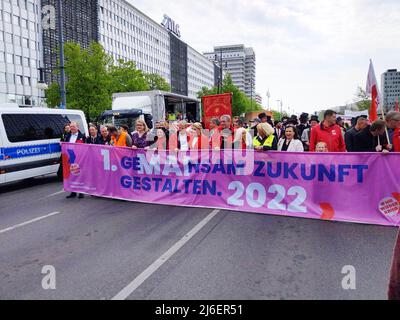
(384, 119)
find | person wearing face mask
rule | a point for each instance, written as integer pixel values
(291, 141)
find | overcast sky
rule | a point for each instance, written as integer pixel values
(312, 54)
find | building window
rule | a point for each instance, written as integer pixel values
(19, 80)
(16, 20)
(24, 23)
(17, 40)
(10, 78)
(7, 17)
(10, 58)
(25, 43)
(18, 60)
(9, 38)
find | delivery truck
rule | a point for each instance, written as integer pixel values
(150, 106)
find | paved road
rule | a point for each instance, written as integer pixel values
(99, 246)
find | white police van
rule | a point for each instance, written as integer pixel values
(30, 140)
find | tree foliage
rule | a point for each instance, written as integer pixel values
(240, 102)
(277, 115)
(156, 82)
(362, 99)
(92, 78)
(126, 78)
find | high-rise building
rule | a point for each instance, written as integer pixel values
(240, 63)
(20, 52)
(258, 99)
(127, 33)
(80, 25)
(200, 72)
(390, 88)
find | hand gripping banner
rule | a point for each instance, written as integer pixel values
(350, 187)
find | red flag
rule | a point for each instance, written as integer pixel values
(396, 108)
(372, 89)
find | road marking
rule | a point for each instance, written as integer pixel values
(28, 222)
(55, 194)
(130, 288)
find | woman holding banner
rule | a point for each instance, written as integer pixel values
(139, 137)
(197, 140)
(265, 139)
(242, 139)
(291, 142)
(160, 141)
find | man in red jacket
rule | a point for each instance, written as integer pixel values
(329, 132)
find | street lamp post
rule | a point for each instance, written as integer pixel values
(220, 62)
(251, 94)
(63, 104)
(279, 102)
(41, 84)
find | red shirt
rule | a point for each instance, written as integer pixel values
(396, 140)
(332, 136)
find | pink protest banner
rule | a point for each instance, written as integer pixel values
(361, 188)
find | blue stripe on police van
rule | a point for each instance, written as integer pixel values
(29, 151)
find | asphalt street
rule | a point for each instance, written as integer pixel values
(98, 247)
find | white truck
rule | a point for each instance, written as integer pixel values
(150, 106)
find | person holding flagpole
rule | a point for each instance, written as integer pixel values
(392, 123)
(373, 90)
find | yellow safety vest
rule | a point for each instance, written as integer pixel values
(267, 143)
(171, 117)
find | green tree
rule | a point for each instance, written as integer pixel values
(240, 102)
(53, 95)
(156, 82)
(88, 85)
(126, 78)
(362, 99)
(278, 115)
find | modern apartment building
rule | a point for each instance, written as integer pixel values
(124, 31)
(200, 72)
(240, 63)
(127, 33)
(80, 25)
(258, 98)
(20, 52)
(390, 88)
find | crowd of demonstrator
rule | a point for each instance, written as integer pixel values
(289, 134)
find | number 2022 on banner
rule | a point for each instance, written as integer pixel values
(296, 206)
(256, 197)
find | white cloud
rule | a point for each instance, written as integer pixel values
(312, 54)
